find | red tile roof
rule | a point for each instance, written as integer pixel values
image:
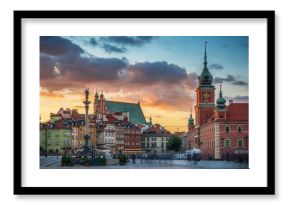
(55, 115)
(238, 112)
(110, 118)
(158, 129)
(78, 116)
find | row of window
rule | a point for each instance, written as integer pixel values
(239, 129)
(154, 139)
(132, 132)
(110, 134)
(56, 134)
(227, 143)
(154, 144)
(110, 141)
(57, 142)
(132, 143)
(132, 137)
(227, 129)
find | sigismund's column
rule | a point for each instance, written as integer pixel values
(87, 102)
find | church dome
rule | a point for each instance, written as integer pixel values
(221, 101)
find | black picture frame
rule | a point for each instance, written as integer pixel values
(268, 190)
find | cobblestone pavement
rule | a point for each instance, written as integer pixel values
(52, 162)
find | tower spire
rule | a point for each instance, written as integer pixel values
(205, 56)
(96, 95)
(205, 77)
(221, 102)
(221, 94)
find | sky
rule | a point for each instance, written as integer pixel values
(160, 72)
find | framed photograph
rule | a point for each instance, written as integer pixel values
(144, 102)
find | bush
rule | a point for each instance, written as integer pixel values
(174, 143)
(66, 161)
(86, 160)
(122, 159)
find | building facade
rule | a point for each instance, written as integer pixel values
(55, 137)
(132, 140)
(155, 139)
(221, 129)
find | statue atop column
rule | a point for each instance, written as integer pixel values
(87, 103)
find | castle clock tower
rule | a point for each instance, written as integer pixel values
(205, 95)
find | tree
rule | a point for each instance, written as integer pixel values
(174, 143)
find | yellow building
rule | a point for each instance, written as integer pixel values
(91, 131)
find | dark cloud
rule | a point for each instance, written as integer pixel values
(216, 66)
(239, 83)
(113, 49)
(56, 46)
(106, 46)
(61, 67)
(46, 66)
(82, 69)
(155, 72)
(230, 79)
(68, 70)
(116, 44)
(128, 40)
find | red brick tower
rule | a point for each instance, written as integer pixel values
(205, 95)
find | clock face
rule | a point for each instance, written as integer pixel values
(206, 95)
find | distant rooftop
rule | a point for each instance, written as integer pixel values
(136, 115)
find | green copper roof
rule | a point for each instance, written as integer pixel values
(221, 101)
(205, 77)
(136, 115)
